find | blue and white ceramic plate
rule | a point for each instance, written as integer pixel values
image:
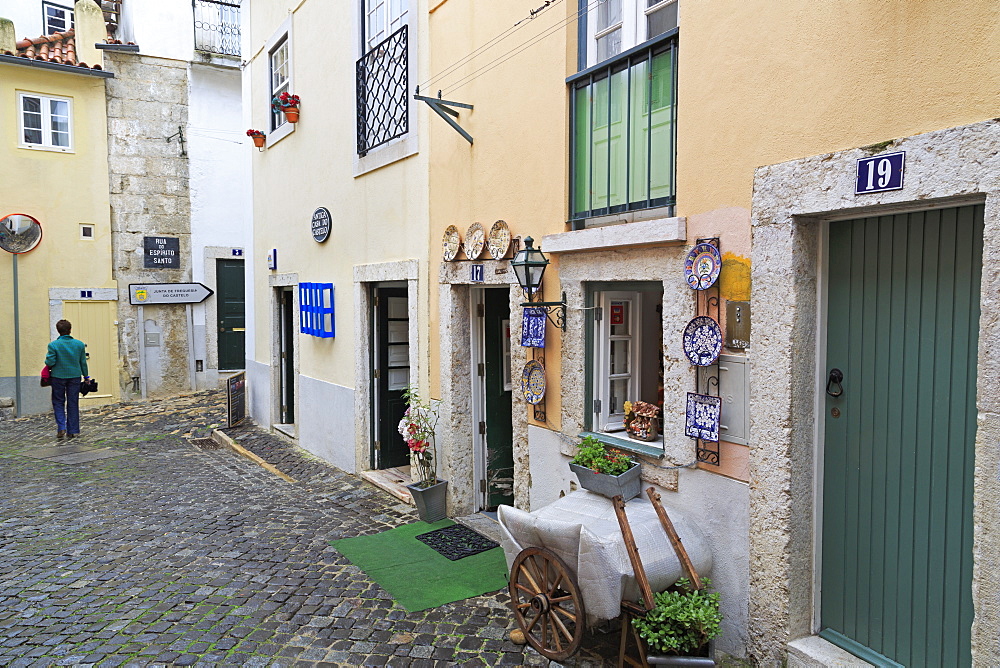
(533, 382)
(702, 266)
(704, 414)
(702, 341)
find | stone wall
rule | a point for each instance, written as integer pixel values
(147, 103)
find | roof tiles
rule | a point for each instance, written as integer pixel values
(59, 48)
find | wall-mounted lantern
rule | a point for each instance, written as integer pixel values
(529, 265)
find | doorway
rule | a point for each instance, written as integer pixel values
(492, 391)
(231, 313)
(286, 355)
(93, 323)
(390, 374)
(899, 436)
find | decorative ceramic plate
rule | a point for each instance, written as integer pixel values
(702, 341)
(533, 382)
(499, 240)
(475, 240)
(452, 242)
(704, 413)
(702, 266)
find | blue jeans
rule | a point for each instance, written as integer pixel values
(66, 404)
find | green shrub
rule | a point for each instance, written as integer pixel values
(683, 620)
(596, 456)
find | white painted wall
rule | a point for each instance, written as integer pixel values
(326, 421)
(26, 15)
(163, 28)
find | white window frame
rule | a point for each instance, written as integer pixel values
(84, 228)
(68, 17)
(611, 419)
(46, 112)
(394, 15)
(633, 26)
(281, 37)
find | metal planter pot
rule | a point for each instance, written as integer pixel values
(431, 501)
(628, 484)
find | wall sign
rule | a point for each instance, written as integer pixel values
(237, 252)
(236, 398)
(880, 173)
(477, 275)
(321, 224)
(168, 293)
(272, 259)
(161, 253)
(738, 325)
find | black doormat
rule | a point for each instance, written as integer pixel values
(457, 541)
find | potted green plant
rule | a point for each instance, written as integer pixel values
(679, 629)
(257, 136)
(288, 104)
(606, 471)
(417, 428)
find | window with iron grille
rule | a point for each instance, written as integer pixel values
(383, 74)
(217, 26)
(56, 18)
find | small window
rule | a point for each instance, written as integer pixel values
(382, 18)
(280, 79)
(615, 26)
(56, 18)
(627, 355)
(46, 122)
(86, 232)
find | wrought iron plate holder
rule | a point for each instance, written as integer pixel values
(708, 303)
(555, 312)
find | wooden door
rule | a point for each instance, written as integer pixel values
(94, 324)
(231, 313)
(390, 376)
(903, 326)
(499, 429)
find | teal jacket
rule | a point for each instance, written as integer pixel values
(67, 358)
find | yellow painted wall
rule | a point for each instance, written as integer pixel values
(378, 217)
(61, 190)
(516, 169)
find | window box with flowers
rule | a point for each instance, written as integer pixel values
(606, 471)
(417, 428)
(287, 104)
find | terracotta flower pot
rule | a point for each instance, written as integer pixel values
(291, 114)
(258, 140)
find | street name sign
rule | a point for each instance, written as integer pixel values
(140, 294)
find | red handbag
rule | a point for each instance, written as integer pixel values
(46, 376)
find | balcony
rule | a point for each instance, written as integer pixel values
(382, 85)
(217, 27)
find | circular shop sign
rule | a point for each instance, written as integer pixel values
(321, 224)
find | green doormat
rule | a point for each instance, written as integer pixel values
(415, 574)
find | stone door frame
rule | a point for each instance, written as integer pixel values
(791, 203)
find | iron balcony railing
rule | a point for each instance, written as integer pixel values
(217, 27)
(383, 103)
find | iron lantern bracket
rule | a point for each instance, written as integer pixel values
(554, 311)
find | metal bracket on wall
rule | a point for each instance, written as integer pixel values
(180, 137)
(554, 311)
(443, 108)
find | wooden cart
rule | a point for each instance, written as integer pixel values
(548, 603)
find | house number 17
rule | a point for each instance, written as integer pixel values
(880, 173)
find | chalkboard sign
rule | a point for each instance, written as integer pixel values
(236, 398)
(161, 253)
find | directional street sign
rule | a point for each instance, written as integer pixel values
(140, 294)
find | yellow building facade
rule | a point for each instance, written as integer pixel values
(54, 167)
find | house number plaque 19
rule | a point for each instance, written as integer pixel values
(880, 173)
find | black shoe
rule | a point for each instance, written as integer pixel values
(71, 435)
(60, 434)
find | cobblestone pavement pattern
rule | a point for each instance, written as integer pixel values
(175, 555)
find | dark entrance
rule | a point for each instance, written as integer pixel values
(499, 432)
(286, 329)
(899, 450)
(390, 375)
(231, 311)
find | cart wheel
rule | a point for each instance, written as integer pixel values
(547, 603)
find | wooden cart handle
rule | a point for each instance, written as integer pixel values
(633, 553)
(675, 540)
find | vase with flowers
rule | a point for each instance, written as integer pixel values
(606, 471)
(257, 136)
(417, 429)
(288, 104)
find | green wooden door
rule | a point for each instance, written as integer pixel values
(499, 430)
(903, 324)
(231, 313)
(390, 375)
(286, 373)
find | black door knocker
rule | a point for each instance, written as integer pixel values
(836, 376)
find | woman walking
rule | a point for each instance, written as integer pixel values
(67, 361)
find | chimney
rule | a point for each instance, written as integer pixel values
(7, 39)
(90, 29)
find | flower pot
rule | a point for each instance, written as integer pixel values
(703, 658)
(258, 140)
(430, 501)
(628, 484)
(291, 114)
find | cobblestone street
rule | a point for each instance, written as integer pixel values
(167, 553)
